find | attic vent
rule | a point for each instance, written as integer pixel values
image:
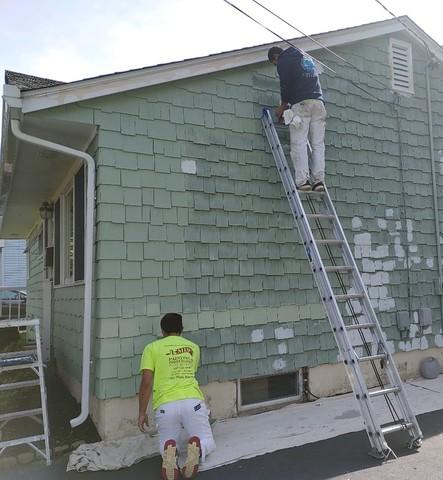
(401, 63)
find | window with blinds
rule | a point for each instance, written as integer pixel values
(401, 66)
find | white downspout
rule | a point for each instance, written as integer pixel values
(89, 244)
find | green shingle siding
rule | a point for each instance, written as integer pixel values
(219, 245)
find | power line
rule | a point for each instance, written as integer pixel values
(277, 35)
(320, 44)
(356, 85)
(408, 28)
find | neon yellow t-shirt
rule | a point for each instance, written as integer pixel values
(174, 361)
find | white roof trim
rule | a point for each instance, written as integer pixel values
(48, 97)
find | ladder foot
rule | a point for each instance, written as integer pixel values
(381, 454)
(415, 443)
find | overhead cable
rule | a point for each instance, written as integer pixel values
(279, 36)
(324, 47)
(356, 85)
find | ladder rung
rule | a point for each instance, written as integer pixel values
(349, 296)
(357, 326)
(329, 241)
(339, 268)
(371, 357)
(22, 441)
(311, 192)
(396, 428)
(384, 391)
(23, 413)
(16, 385)
(321, 216)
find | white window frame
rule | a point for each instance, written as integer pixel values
(68, 187)
(269, 403)
(393, 42)
(64, 247)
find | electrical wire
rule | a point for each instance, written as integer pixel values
(356, 85)
(324, 47)
(279, 36)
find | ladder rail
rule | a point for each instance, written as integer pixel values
(36, 365)
(329, 299)
(392, 373)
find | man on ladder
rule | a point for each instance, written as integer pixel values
(304, 112)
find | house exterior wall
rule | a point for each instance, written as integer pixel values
(191, 217)
(67, 332)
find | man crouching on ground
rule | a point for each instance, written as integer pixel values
(168, 368)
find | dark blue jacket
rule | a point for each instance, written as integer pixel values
(298, 77)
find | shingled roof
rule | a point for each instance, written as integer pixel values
(28, 82)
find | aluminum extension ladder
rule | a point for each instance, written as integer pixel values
(351, 303)
(31, 359)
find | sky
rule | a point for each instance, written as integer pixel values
(69, 40)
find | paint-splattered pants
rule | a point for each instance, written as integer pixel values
(311, 125)
(190, 415)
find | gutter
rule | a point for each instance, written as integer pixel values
(89, 244)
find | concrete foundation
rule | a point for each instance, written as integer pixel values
(117, 418)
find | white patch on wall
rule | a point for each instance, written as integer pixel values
(281, 333)
(424, 344)
(427, 330)
(381, 251)
(189, 166)
(440, 158)
(398, 248)
(389, 266)
(389, 212)
(430, 262)
(413, 330)
(404, 346)
(386, 304)
(414, 260)
(282, 348)
(413, 248)
(356, 223)
(409, 229)
(391, 346)
(398, 225)
(279, 364)
(381, 222)
(439, 340)
(257, 335)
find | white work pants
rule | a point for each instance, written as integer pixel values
(191, 415)
(312, 126)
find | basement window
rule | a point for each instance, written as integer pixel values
(267, 391)
(401, 66)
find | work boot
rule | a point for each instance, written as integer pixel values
(170, 469)
(306, 187)
(190, 469)
(318, 187)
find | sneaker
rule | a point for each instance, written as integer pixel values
(306, 187)
(318, 187)
(190, 469)
(170, 470)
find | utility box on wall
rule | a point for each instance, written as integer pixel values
(403, 321)
(425, 317)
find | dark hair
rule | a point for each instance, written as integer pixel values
(274, 51)
(172, 323)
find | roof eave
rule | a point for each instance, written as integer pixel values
(120, 82)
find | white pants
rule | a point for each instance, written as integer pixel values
(191, 415)
(312, 126)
